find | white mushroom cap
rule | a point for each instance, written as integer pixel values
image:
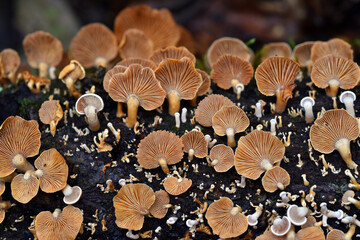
(347, 94)
(72, 194)
(252, 221)
(280, 226)
(297, 215)
(89, 99)
(306, 100)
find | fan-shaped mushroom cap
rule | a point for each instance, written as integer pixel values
(143, 62)
(137, 86)
(226, 45)
(161, 204)
(24, 187)
(297, 215)
(275, 178)
(281, 226)
(336, 234)
(52, 171)
(209, 106)
(179, 79)
(59, 225)
(222, 158)
(302, 53)
(334, 130)
(347, 194)
(109, 75)
(71, 194)
(10, 62)
(229, 121)
(94, 45)
(132, 203)
(206, 82)
(310, 233)
(19, 139)
(173, 53)
(90, 104)
(70, 74)
(335, 47)
(42, 51)
(158, 25)
(135, 44)
(276, 76)
(51, 113)
(4, 205)
(267, 235)
(332, 73)
(177, 185)
(280, 49)
(256, 153)
(160, 148)
(226, 220)
(194, 144)
(186, 39)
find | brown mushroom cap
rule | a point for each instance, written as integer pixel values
(276, 76)
(73, 70)
(226, 220)
(59, 225)
(10, 62)
(143, 62)
(160, 148)
(347, 194)
(222, 158)
(335, 234)
(94, 45)
(280, 49)
(4, 205)
(176, 186)
(194, 144)
(310, 233)
(132, 203)
(186, 39)
(302, 53)
(51, 113)
(19, 139)
(275, 178)
(209, 106)
(335, 47)
(52, 171)
(206, 82)
(2, 187)
(335, 72)
(256, 153)
(112, 72)
(160, 208)
(267, 235)
(24, 187)
(230, 70)
(135, 44)
(157, 25)
(173, 53)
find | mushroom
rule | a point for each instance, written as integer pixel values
(137, 86)
(307, 103)
(9, 64)
(59, 225)
(186, 39)
(229, 121)
(225, 219)
(256, 153)
(135, 44)
(52, 171)
(131, 204)
(204, 87)
(42, 51)
(280, 49)
(333, 72)
(160, 148)
(326, 213)
(222, 158)
(310, 233)
(302, 54)
(4, 205)
(276, 76)
(348, 98)
(336, 234)
(297, 215)
(34, 83)
(348, 198)
(157, 25)
(94, 45)
(232, 71)
(161, 204)
(143, 62)
(253, 218)
(51, 113)
(334, 47)
(275, 178)
(90, 104)
(209, 106)
(281, 226)
(24, 187)
(173, 53)
(70, 74)
(177, 185)
(268, 235)
(334, 130)
(179, 79)
(194, 144)
(71, 194)
(19, 139)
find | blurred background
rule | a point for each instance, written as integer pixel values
(293, 21)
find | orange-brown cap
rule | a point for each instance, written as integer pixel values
(158, 25)
(135, 44)
(132, 203)
(280, 49)
(179, 79)
(336, 234)
(310, 233)
(222, 158)
(346, 195)
(51, 113)
(160, 148)
(275, 178)
(256, 153)
(267, 235)
(4, 205)
(19, 139)
(94, 45)
(228, 121)
(10, 62)
(226, 220)
(335, 47)
(112, 72)
(52, 171)
(186, 39)
(302, 53)
(276, 76)
(194, 144)
(173, 53)
(73, 70)
(226, 45)
(332, 72)
(24, 187)
(209, 106)
(177, 185)
(59, 225)
(161, 204)
(206, 82)
(143, 62)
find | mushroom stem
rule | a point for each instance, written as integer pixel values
(39, 173)
(120, 112)
(69, 82)
(100, 62)
(67, 190)
(349, 105)
(230, 133)
(52, 128)
(343, 147)
(282, 97)
(43, 70)
(350, 233)
(92, 118)
(354, 201)
(21, 164)
(132, 109)
(258, 112)
(214, 162)
(235, 210)
(266, 165)
(333, 88)
(56, 213)
(174, 102)
(191, 154)
(163, 165)
(280, 186)
(309, 115)
(239, 88)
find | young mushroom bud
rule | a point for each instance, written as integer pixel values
(71, 194)
(51, 113)
(253, 218)
(90, 104)
(307, 103)
(348, 98)
(70, 74)
(281, 226)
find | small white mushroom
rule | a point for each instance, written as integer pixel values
(90, 104)
(183, 115)
(238, 89)
(71, 194)
(273, 126)
(130, 235)
(307, 103)
(258, 112)
(284, 199)
(177, 119)
(280, 226)
(171, 220)
(297, 215)
(191, 223)
(348, 98)
(326, 213)
(114, 131)
(253, 218)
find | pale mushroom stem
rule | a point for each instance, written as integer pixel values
(191, 154)
(333, 88)
(282, 97)
(266, 165)
(132, 109)
(230, 133)
(235, 210)
(39, 173)
(350, 233)
(69, 82)
(52, 128)
(280, 186)
(214, 162)
(120, 112)
(43, 70)
(163, 165)
(56, 213)
(100, 62)
(349, 105)
(67, 190)
(309, 114)
(92, 118)
(174, 102)
(21, 164)
(343, 147)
